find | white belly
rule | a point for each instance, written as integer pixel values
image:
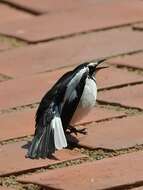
(87, 101)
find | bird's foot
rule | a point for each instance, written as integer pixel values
(76, 131)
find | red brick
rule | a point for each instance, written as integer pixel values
(19, 124)
(50, 6)
(5, 188)
(104, 174)
(27, 90)
(98, 114)
(134, 61)
(66, 52)
(34, 59)
(8, 14)
(76, 21)
(4, 46)
(4, 77)
(114, 134)
(138, 27)
(112, 77)
(12, 158)
(131, 96)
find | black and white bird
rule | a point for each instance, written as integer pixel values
(72, 96)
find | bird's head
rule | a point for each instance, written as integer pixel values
(93, 66)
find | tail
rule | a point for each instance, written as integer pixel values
(47, 139)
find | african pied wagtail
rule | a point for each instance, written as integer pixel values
(73, 95)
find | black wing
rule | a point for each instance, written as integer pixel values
(52, 115)
(57, 95)
(54, 94)
(72, 102)
(43, 144)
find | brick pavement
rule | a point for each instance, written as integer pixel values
(21, 123)
(133, 61)
(4, 46)
(13, 160)
(59, 25)
(8, 14)
(91, 29)
(119, 134)
(48, 6)
(5, 188)
(105, 174)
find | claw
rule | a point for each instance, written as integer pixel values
(82, 131)
(76, 131)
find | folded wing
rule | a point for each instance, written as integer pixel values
(55, 112)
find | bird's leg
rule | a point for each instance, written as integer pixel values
(76, 131)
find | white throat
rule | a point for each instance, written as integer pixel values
(87, 101)
(88, 98)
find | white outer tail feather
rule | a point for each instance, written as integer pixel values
(59, 136)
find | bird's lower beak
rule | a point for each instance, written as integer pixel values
(100, 68)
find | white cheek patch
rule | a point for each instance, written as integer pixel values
(93, 64)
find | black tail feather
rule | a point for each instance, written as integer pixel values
(42, 145)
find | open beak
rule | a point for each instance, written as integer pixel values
(101, 61)
(100, 68)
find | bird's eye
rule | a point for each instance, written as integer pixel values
(90, 66)
(91, 69)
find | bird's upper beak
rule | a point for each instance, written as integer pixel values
(101, 61)
(102, 67)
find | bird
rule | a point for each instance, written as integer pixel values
(70, 98)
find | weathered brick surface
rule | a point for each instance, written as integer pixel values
(75, 21)
(8, 14)
(16, 124)
(112, 77)
(26, 90)
(98, 114)
(4, 46)
(35, 68)
(138, 27)
(134, 61)
(131, 96)
(114, 134)
(4, 77)
(108, 173)
(12, 158)
(48, 6)
(5, 188)
(67, 52)
(19, 124)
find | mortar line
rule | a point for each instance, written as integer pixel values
(82, 33)
(21, 8)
